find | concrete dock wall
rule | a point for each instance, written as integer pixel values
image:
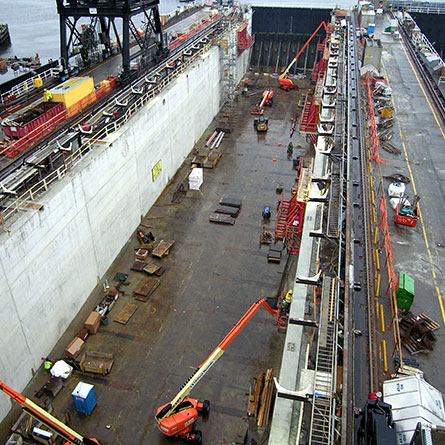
(51, 260)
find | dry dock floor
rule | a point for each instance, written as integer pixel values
(213, 275)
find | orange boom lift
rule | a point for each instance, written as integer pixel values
(55, 425)
(287, 84)
(176, 419)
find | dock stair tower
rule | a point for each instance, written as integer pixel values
(103, 15)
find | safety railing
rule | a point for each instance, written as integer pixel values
(26, 86)
(9, 208)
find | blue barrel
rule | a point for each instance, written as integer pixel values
(371, 29)
(84, 398)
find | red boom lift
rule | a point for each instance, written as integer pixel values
(176, 419)
(47, 419)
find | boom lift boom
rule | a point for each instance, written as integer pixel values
(287, 84)
(177, 417)
(47, 419)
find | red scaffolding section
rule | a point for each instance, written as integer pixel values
(312, 101)
(245, 41)
(290, 215)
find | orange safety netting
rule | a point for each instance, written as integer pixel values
(383, 224)
(375, 140)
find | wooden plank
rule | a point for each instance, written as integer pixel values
(266, 399)
(146, 288)
(221, 219)
(232, 202)
(227, 210)
(163, 248)
(126, 313)
(252, 407)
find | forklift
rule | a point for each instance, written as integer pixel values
(261, 124)
(176, 419)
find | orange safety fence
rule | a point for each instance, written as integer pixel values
(375, 139)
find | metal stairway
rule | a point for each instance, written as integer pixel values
(322, 421)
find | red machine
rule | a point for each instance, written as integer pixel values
(47, 419)
(287, 84)
(407, 215)
(176, 419)
(267, 98)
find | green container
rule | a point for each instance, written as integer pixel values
(404, 304)
(405, 289)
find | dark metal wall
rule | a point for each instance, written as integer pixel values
(432, 25)
(288, 20)
(280, 33)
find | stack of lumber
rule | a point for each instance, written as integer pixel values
(260, 398)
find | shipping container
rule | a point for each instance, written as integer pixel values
(19, 125)
(73, 90)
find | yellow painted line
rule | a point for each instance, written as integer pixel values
(372, 197)
(423, 91)
(377, 288)
(382, 318)
(430, 256)
(374, 217)
(385, 360)
(376, 235)
(377, 309)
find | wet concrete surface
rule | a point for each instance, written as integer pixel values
(214, 273)
(417, 251)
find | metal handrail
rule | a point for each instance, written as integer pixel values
(27, 85)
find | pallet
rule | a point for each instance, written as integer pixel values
(97, 362)
(227, 210)
(231, 202)
(162, 249)
(138, 265)
(221, 219)
(146, 288)
(409, 317)
(126, 313)
(151, 268)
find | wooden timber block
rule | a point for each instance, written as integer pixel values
(146, 288)
(126, 313)
(221, 219)
(151, 268)
(274, 255)
(231, 202)
(138, 265)
(162, 249)
(227, 210)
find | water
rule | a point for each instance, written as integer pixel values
(34, 28)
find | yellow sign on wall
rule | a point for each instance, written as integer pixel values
(156, 170)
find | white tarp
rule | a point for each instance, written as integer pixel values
(196, 178)
(413, 400)
(61, 369)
